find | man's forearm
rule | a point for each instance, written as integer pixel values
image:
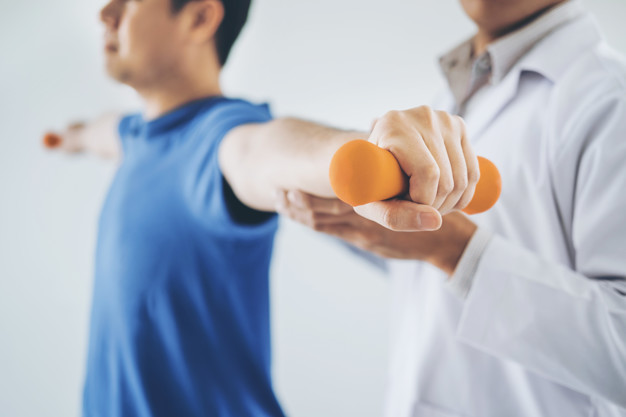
(259, 159)
(99, 137)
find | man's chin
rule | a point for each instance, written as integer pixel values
(117, 73)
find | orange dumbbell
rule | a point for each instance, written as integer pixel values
(51, 140)
(361, 173)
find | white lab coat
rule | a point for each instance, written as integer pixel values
(538, 334)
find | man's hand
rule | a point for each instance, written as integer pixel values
(69, 140)
(99, 137)
(433, 150)
(442, 248)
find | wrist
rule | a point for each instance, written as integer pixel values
(458, 231)
(73, 139)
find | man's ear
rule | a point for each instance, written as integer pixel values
(203, 18)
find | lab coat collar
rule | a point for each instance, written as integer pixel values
(506, 51)
(550, 57)
(554, 54)
(466, 73)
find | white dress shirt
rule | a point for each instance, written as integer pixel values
(533, 322)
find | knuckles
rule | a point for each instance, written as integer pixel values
(446, 186)
(473, 176)
(391, 124)
(430, 172)
(460, 183)
(425, 112)
(391, 220)
(392, 116)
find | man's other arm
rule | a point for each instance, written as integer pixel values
(99, 137)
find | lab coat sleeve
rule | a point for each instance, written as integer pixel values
(566, 324)
(461, 280)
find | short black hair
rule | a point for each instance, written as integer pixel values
(235, 16)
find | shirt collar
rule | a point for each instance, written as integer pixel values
(505, 52)
(466, 74)
(177, 117)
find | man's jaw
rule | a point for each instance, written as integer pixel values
(111, 44)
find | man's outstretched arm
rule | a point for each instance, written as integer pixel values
(258, 160)
(99, 137)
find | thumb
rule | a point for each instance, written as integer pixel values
(401, 215)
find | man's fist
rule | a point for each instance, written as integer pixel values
(433, 150)
(99, 137)
(71, 140)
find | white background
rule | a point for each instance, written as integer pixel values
(342, 62)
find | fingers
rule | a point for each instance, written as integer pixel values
(69, 140)
(396, 132)
(401, 215)
(438, 134)
(432, 149)
(348, 225)
(317, 204)
(313, 212)
(473, 172)
(454, 129)
(76, 126)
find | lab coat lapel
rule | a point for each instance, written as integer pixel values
(571, 39)
(495, 99)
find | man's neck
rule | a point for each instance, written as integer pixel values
(169, 96)
(486, 36)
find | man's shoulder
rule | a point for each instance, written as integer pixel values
(590, 88)
(129, 123)
(611, 62)
(597, 75)
(587, 99)
(576, 59)
(234, 111)
(600, 68)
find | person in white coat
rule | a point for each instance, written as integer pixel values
(519, 311)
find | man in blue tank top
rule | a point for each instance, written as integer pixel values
(180, 314)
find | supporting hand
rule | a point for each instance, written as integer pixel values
(442, 248)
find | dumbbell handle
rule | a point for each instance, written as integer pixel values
(361, 173)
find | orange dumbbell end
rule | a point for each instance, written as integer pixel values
(361, 173)
(488, 188)
(52, 140)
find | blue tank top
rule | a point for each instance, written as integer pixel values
(180, 314)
